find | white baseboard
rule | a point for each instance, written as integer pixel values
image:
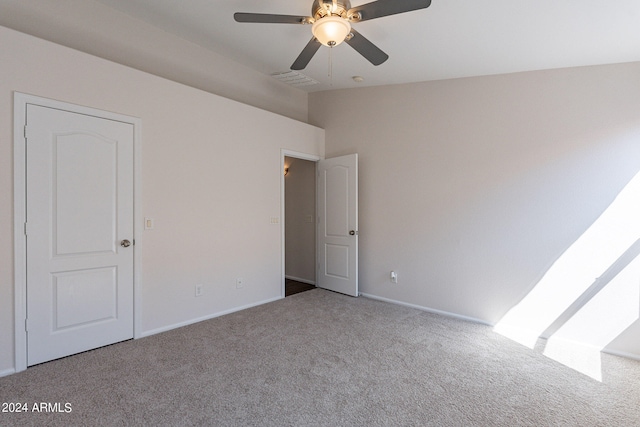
(427, 309)
(624, 354)
(203, 318)
(298, 279)
(7, 372)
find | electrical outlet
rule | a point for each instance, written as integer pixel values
(199, 290)
(393, 277)
(239, 283)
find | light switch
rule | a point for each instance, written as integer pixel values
(148, 223)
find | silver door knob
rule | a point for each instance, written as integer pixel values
(125, 243)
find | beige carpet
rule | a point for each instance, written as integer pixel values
(323, 359)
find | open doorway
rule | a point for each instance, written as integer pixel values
(299, 225)
(330, 244)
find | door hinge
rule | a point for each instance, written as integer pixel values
(25, 228)
(25, 131)
(26, 325)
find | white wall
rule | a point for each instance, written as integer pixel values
(92, 27)
(471, 188)
(300, 233)
(210, 177)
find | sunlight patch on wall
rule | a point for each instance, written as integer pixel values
(590, 295)
(580, 340)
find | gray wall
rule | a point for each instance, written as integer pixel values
(471, 188)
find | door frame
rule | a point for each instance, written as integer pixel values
(302, 156)
(20, 101)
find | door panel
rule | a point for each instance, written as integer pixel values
(337, 212)
(338, 224)
(337, 261)
(81, 227)
(79, 209)
(84, 297)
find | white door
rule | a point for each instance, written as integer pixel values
(79, 220)
(338, 224)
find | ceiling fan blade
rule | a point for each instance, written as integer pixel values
(367, 49)
(307, 53)
(380, 8)
(267, 18)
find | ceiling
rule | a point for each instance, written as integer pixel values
(450, 39)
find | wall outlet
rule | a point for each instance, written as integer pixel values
(239, 283)
(199, 290)
(393, 277)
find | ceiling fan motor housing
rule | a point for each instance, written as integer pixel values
(322, 8)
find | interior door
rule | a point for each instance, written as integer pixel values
(338, 224)
(79, 232)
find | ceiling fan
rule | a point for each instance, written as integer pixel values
(331, 25)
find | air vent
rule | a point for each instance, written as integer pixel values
(294, 78)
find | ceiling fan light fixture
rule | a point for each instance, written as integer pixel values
(332, 20)
(331, 30)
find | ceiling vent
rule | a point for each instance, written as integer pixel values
(294, 78)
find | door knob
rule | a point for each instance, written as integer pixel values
(125, 243)
(352, 232)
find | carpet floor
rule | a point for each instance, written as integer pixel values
(322, 359)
